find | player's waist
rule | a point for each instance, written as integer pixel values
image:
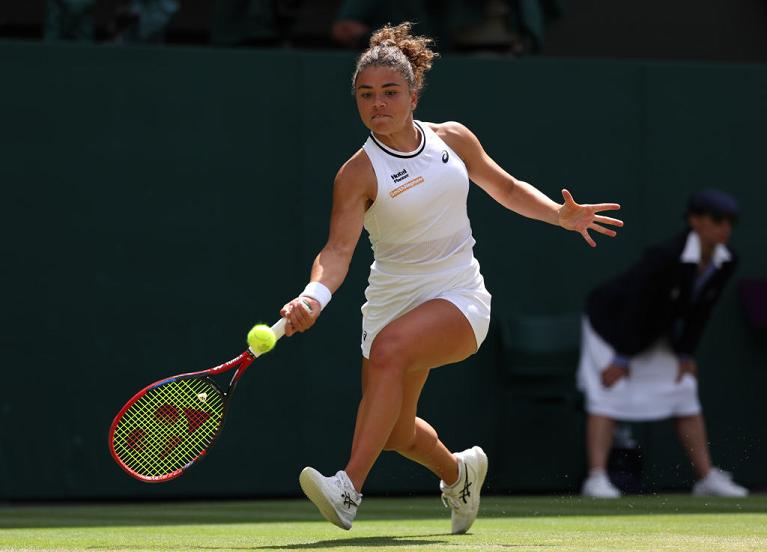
(456, 260)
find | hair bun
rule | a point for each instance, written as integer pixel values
(415, 48)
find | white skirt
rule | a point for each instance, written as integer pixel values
(389, 296)
(649, 393)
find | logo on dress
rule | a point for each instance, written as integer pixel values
(400, 176)
(445, 156)
(406, 186)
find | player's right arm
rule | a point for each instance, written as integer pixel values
(354, 190)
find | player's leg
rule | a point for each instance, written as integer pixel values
(712, 481)
(692, 435)
(415, 439)
(433, 334)
(599, 439)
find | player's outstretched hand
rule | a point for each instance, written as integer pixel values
(301, 313)
(582, 218)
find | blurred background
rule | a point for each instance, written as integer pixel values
(166, 168)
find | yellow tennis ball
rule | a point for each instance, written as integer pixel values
(261, 338)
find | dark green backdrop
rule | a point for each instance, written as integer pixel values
(158, 202)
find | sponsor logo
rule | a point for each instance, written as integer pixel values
(400, 176)
(364, 336)
(406, 186)
(445, 156)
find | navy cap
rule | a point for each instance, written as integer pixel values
(713, 202)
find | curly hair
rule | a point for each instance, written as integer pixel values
(397, 48)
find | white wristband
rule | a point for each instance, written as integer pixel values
(319, 292)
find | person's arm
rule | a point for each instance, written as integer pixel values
(519, 196)
(353, 191)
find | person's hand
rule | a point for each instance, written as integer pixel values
(687, 365)
(301, 313)
(613, 373)
(582, 218)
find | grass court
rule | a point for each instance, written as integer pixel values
(638, 523)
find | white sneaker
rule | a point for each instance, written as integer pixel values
(335, 497)
(718, 483)
(463, 495)
(598, 485)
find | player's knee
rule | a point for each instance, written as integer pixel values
(387, 356)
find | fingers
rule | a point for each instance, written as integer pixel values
(301, 314)
(608, 220)
(612, 374)
(568, 197)
(603, 230)
(605, 206)
(588, 238)
(609, 378)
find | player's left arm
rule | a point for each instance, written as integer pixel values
(522, 197)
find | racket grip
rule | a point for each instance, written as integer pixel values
(279, 326)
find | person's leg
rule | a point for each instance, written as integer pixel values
(692, 435)
(415, 439)
(599, 440)
(433, 334)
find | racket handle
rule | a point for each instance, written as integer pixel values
(279, 326)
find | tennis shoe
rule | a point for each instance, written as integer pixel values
(718, 483)
(462, 497)
(335, 497)
(598, 485)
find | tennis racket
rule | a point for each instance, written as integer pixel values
(169, 425)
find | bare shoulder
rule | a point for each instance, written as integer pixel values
(457, 136)
(448, 128)
(356, 176)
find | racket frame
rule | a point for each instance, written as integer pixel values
(241, 362)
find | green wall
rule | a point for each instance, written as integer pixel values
(158, 202)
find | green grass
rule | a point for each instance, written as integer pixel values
(651, 523)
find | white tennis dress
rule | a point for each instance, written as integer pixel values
(421, 238)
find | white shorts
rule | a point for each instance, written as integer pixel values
(649, 393)
(389, 296)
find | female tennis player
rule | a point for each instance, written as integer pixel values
(427, 305)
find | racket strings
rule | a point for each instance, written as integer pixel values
(169, 426)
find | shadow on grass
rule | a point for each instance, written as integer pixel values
(134, 514)
(363, 542)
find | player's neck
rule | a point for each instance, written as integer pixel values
(407, 139)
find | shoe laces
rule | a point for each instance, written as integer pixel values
(457, 500)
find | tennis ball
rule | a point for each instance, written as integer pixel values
(261, 338)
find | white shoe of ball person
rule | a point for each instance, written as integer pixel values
(462, 497)
(598, 485)
(718, 483)
(335, 496)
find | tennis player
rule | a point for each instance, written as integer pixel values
(427, 305)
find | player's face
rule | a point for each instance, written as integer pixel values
(384, 100)
(712, 230)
